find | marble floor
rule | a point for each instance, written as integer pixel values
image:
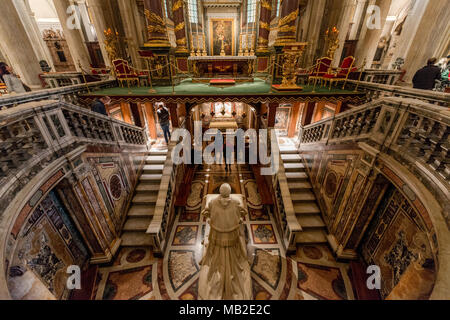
(312, 273)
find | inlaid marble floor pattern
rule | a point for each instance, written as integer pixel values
(312, 273)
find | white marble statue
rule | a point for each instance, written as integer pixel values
(225, 270)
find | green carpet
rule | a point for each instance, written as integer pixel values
(187, 87)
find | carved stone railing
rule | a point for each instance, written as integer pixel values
(389, 77)
(415, 133)
(164, 207)
(284, 214)
(64, 79)
(67, 94)
(34, 135)
(378, 90)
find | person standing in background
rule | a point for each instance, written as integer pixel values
(426, 77)
(164, 122)
(99, 105)
(11, 80)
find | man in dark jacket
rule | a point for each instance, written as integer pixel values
(99, 105)
(164, 116)
(425, 78)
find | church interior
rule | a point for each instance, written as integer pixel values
(89, 180)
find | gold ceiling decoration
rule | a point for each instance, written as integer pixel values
(289, 18)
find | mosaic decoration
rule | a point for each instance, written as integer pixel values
(267, 265)
(136, 255)
(194, 201)
(311, 252)
(182, 267)
(129, 284)
(191, 293)
(252, 194)
(47, 244)
(258, 214)
(189, 216)
(185, 235)
(259, 293)
(321, 282)
(391, 239)
(263, 234)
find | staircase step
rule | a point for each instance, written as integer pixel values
(147, 187)
(303, 185)
(145, 198)
(155, 159)
(288, 150)
(136, 239)
(155, 152)
(154, 178)
(137, 224)
(153, 168)
(294, 167)
(304, 195)
(137, 210)
(306, 208)
(310, 221)
(296, 176)
(290, 158)
(312, 236)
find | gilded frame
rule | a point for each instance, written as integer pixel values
(211, 34)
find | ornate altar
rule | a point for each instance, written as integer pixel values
(292, 53)
(206, 68)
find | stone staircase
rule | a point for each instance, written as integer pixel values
(143, 204)
(304, 200)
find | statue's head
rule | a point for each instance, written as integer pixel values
(225, 190)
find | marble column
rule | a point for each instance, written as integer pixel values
(73, 37)
(315, 10)
(157, 30)
(434, 28)
(129, 25)
(286, 25)
(343, 27)
(264, 26)
(369, 39)
(29, 21)
(180, 26)
(17, 45)
(357, 19)
(98, 19)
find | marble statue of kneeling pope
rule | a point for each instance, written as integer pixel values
(225, 270)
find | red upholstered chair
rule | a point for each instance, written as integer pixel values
(342, 73)
(125, 73)
(320, 69)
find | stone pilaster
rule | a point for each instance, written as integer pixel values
(17, 46)
(265, 13)
(126, 12)
(100, 26)
(73, 37)
(286, 25)
(180, 26)
(156, 30)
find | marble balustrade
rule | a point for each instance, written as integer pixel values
(413, 132)
(68, 93)
(37, 134)
(378, 90)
